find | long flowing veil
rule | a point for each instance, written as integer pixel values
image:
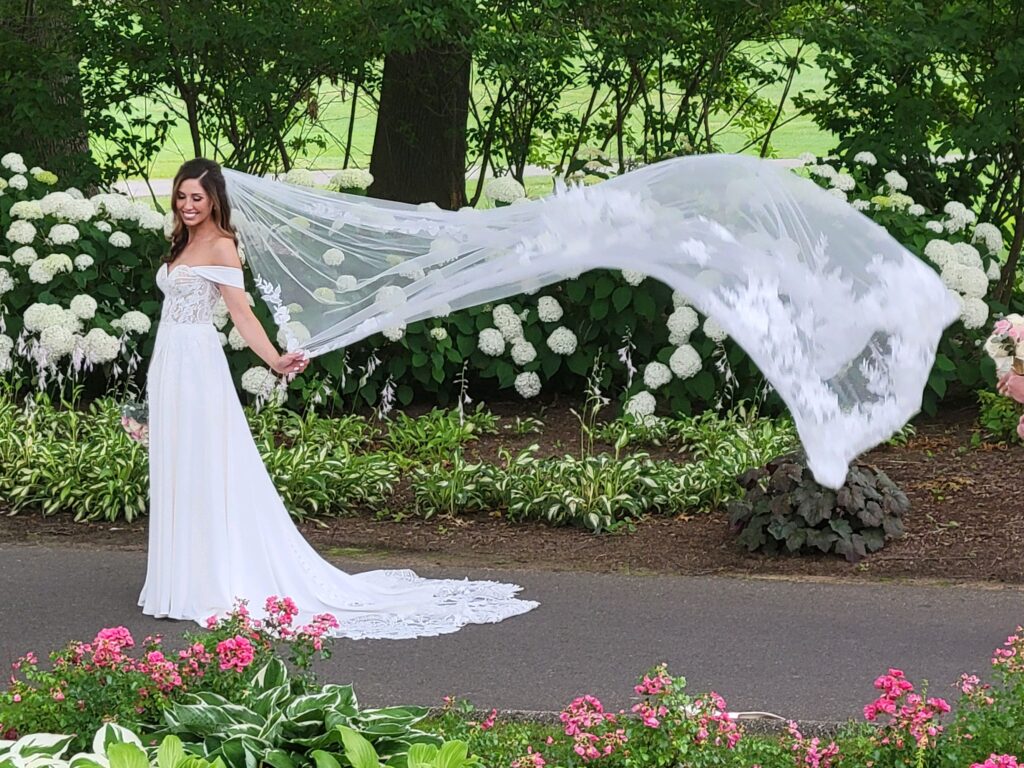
(840, 318)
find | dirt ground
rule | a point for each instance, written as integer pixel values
(966, 523)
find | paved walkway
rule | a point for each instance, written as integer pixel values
(800, 649)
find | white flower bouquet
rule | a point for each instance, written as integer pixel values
(135, 420)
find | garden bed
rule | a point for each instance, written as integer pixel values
(966, 520)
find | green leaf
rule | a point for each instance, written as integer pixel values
(358, 750)
(421, 756)
(273, 674)
(127, 756)
(324, 759)
(644, 305)
(603, 287)
(621, 298)
(171, 752)
(453, 754)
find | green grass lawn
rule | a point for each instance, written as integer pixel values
(792, 139)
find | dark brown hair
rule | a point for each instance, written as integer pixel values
(209, 176)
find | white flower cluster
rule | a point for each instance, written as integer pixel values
(27, 209)
(523, 352)
(301, 177)
(6, 346)
(6, 281)
(681, 323)
(990, 235)
(491, 342)
(865, 158)
(504, 190)
(641, 405)
(62, 234)
(860, 205)
(632, 277)
(959, 216)
(844, 182)
(103, 226)
(44, 270)
(21, 232)
(121, 240)
(39, 316)
(24, 256)
(58, 341)
(351, 178)
(100, 347)
(896, 181)
(333, 257)
(714, 331)
(18, 182)
(528, 384)
(438, 334)
(116, 207)
(83, 307)
(964, 275)
(548, 309)
(824, 170)
(685, 362)
(562, 341)
(297, 331)
(14, 163)
(656, 375)
(916, 210)
(507, 322)
(236, 340)
(259, 381)
(132, 321)
(83, 261)
(394, 332)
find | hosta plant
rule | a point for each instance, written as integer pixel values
(785, 508)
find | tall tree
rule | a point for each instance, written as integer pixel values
(419, 148)
(40, 91)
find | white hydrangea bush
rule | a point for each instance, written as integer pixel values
(77, 293)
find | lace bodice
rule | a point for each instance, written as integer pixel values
(191, 293)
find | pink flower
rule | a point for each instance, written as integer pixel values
(1002, 326)
(488, 722)
(235, 653)
(57, 694)
(17, 698)
(998, 761)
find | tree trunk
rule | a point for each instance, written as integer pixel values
(419, 148)
(39, 41)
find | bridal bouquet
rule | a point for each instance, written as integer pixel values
(1006, 345)
(135, 420)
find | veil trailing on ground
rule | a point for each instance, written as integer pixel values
(839, 317)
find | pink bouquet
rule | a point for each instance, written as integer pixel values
(1006, 345)
(135, 420)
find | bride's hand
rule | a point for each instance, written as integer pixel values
(292, 363)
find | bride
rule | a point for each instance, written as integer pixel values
(218, 531)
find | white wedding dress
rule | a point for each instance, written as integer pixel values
(218, 531)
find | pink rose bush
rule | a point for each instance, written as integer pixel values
(114, 677)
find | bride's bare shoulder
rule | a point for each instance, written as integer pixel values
(224, 253)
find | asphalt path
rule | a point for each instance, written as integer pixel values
(802, 649)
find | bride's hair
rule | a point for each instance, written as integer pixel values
(209, 176)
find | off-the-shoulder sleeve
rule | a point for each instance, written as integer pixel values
(231, 276)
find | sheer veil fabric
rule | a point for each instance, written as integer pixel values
(841, 319)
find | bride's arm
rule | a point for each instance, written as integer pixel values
(248, 325)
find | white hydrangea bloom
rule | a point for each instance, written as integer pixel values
(14, 163)
(685, 362)
(6, 346)
(940, 252)
(301, 177)
(502, 312)
(236, 341)
(632, 277)
(993, 272)
(168, 225)
(103, 226)
(438, 334)
(491, 342)
(973, 283)
(151, 220)
(916, 210)
(117, 207)
(297, 330)
(865, 158)
(807, 158)
(934, 226)
(133, 321)
(679, 300)
(968, 255)
(860, 205)
(62, 234)
(221, 313)
(844, 182)
(351, 178)
(504, 190)
(121, 240)
(100, 347)
(259, 381)
(21, 232)
(974, 313)
(83, 307)
(562, 341)
(508, 323)
(394, 332)
(40, 316)
(3, 185)
(896, 181)
(6, 282)
(960, 216)
(83, 261)
(838, 193)
(681, 323)
(41, 272)
(824, 170)
(18, 182)
(713, 330)
(528, 384)
(75, 192)
(656, 375)
(548, 309)
(324, 295)
(27, 209)
(24, 256)
(345, 283)
(523, 352)
(390, 297)
(641, 405)
(58, 341)
(333, 257)
(52, 202)
(990, 235)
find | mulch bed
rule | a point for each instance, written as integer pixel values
(966, 522)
